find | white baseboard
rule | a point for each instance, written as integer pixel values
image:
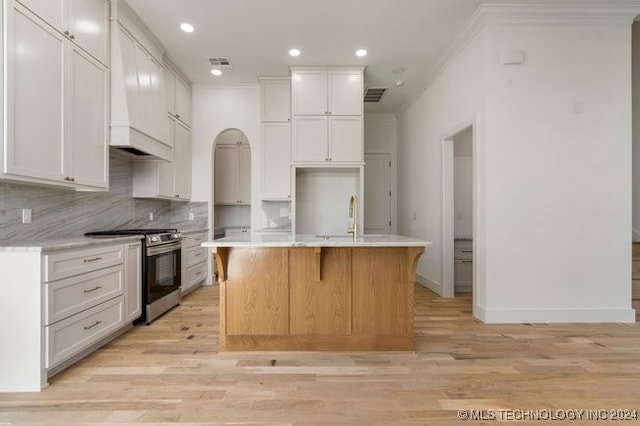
(518, 316)
(432, 285)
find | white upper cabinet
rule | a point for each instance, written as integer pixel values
(178, 96)
(327, 115)
(89, 117)
(167, 179)
(85, 22)
(57, 107)
(334, 92)
(232, 174)
(275, 96)
(276, 159)
(309, 92)
(345, 92)
(275, 113)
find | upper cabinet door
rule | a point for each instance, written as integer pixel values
(276, 100)
(170, 90)
(345, 92)
(51, 11)
(182, 162)
(88, 80)
(166, 169)
(183, 101)
(309, 92)
(35, 97)
(88, 26)
(345, 135)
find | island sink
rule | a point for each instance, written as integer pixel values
(311, 293)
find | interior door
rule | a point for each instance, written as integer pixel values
(377, 192)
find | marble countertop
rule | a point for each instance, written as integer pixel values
(63, 243)
(267, 240)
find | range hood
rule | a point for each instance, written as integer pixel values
(138, 100)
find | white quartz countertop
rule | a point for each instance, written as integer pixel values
(266, 240)
(63, 243)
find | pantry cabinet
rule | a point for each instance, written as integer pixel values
(327, 107)
(53, 82)
(233, 174)
(275, 113)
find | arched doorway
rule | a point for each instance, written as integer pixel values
(231, 182)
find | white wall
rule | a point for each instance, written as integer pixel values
(552, 150)
(380, 137)
(557, 152)
(453, 98)
(216, 108)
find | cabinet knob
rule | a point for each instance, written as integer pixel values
(177, 115)
(177, 196)
(72, 37)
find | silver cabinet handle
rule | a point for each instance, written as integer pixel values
(92, 289)
(467, 251)
(89, 327)
(467, 261)
(95, 259)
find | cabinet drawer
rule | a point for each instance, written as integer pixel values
(195, 255)
(463, 252)
(196, 274)
(72, 295)
(69, 263)
(463, 273)
(195, 240)
(70, 336)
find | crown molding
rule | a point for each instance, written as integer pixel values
(538, 12)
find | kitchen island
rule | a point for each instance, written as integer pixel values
(308, 293)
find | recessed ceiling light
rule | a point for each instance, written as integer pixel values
(398, 70)
(294, 52)
(399, 83)
(216, 72)
(187, 28)
(361, 52)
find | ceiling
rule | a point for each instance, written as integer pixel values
(256, 36)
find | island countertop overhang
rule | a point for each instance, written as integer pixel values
(258, 240)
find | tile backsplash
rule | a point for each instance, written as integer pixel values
(61, 213)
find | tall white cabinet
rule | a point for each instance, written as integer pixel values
(56, 88)
(275, 95)
(327, 115)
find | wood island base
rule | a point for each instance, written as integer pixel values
(316, 298)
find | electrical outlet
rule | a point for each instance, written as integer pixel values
(414, 216)
(151, 216)
(26, 216)
(191, 216)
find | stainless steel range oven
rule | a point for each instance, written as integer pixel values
(161, 278)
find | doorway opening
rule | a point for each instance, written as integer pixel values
(231, 182)
(459, 213)
(377, 192)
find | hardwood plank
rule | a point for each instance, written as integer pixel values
(172, 371)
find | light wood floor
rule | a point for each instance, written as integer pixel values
(171, 372)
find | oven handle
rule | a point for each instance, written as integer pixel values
(164, 248)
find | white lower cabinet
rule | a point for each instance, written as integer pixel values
(194, 261)
(133, 280)
(71, 335)
(63, 303)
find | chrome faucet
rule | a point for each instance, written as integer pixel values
(353, 214)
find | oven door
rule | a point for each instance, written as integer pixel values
(163, 270)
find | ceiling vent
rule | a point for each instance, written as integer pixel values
(374, 94)
(221, 62)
